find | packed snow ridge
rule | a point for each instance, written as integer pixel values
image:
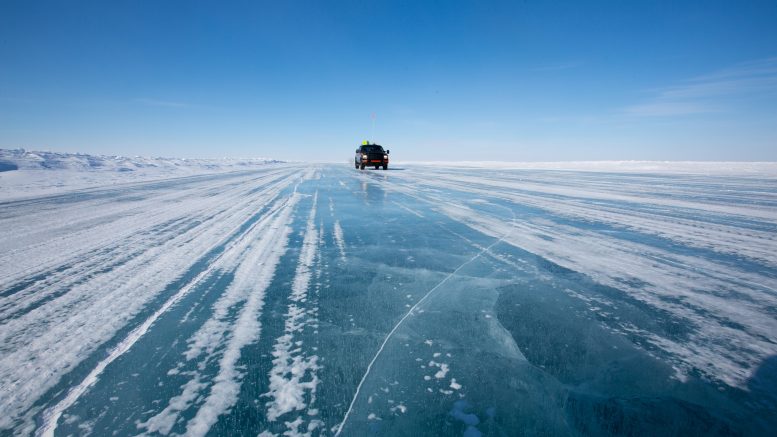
(21, 159)
(26, 173)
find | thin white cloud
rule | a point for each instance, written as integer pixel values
(669, 108)
(713, 92)
(760, 67)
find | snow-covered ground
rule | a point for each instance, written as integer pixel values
(292, 299)
(712, 168)
(32, 173)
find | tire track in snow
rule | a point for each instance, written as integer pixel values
(46, 343)
(252, 263)
(252, 277)
(247, 328)
(130, 246)
(52, 415)
(291, 366)
(83, 298)
(56, 257)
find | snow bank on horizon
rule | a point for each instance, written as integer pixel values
(723, 168)
(32, 173)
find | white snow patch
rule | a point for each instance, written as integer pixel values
(163, 422)
(400, 407)
(260, 268)
(443, 369)
(293, 373)
(339, 240)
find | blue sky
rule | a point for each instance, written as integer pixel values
(519, 81)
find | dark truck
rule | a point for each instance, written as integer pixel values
(371, 154)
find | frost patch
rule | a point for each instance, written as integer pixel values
(443, 369)
(339, 240)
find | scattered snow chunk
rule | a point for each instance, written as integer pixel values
(401, 408)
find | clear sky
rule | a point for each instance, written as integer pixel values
(473, 80)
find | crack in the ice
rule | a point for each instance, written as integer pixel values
(410, 312)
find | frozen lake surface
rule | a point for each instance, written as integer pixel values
(322, 300)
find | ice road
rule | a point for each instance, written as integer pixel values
(298, 300)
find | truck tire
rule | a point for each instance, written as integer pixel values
(376, 167)
(362, 166)
(385, 166)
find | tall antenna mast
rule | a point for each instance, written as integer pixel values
(372, 134)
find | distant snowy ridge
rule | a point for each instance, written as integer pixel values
(732, 168)
(22, 159)
(25, 174)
